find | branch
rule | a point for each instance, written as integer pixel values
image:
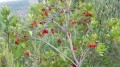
(69, 36)
(60, 26)
(83, 56)
(71, 47)
(58, 51)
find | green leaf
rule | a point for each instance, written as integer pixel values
(5, 11)
(13, 20)
(116, 39)
(63, 57)
(101, 48)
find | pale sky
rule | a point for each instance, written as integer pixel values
(7, 0)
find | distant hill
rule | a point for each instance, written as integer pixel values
(19, 7)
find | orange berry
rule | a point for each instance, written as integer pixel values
(27, 53)
(40, 34)
(91, 45)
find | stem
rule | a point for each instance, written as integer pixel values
(60, 26)
(71, 47)
(8, 41)
(69, 36)
(59, 51)
(83, 57)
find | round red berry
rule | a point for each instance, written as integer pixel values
(74, 22)
(52, 31)
(59, 41)
(27, 53)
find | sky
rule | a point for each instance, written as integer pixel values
(7, 0)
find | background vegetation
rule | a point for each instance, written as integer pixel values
(106, 16)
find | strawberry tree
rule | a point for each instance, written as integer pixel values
(71, 24)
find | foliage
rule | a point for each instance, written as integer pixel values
(57, 33)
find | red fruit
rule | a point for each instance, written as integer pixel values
(50, 8)
(73, 65)
(27, 53)
(91, 45)
(17, 41)
(45, 31)
(52, 31)
(16, 34)
(88, 15)
(61, 11)
(74, 22)
(42, 22)
(46, 13)
(43, 9)
(40, 34)
(59, 41)
(34, 23)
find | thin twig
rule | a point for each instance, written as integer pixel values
(83, 56)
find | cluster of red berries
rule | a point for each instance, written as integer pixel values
(92, 45)
(25, 37)
(84, 22)
(45, 11)
(17, 41)
(34, 23)
(87, 14)
(45, 31)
